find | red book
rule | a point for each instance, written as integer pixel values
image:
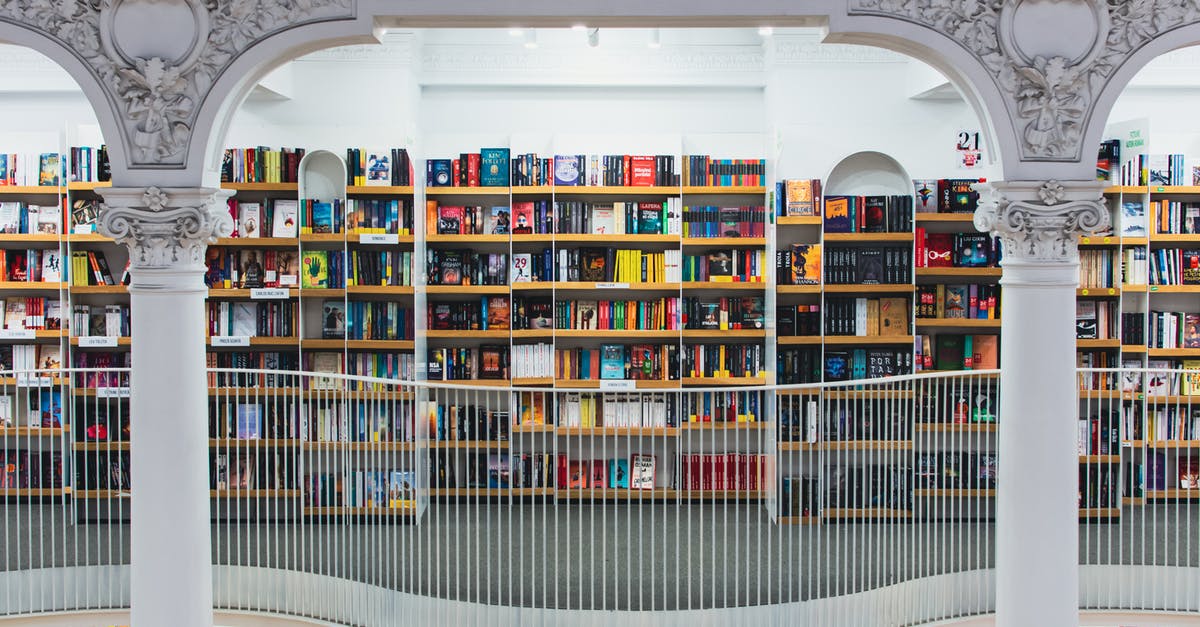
(561, 471)
(473, 169)
(642, 171)
(718, 478)
(694, 471)
(625, 168)
(938, 247)
(920, 247)
(455, 172)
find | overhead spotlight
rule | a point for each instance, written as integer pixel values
(655, 39)
(515, 32)
(531, 38)
(766, 31)
(579, 27)
(594, 37)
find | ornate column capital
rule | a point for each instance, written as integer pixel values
(1039, 222)
(166, 231)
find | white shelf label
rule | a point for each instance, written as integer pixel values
(231, 340)
(97, 341)
(27, 381)
(612, 286)
(269, 293)
(18, 334)
(379, 238)
(618, 384)
(112, 392)
(84, 229)
(288, 279)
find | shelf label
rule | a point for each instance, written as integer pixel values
(18, 334)
(84, 229)
(378, 238)
(269, 293)
(122, 392)
(29, 381)
(612, 286)
(231, 340)
(97, 341)
(618, 384)
(288, 279)
(1153, 288)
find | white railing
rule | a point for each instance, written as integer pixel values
(356, 500)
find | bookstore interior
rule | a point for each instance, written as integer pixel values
(558, 270)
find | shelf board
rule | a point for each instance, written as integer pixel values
(83, 186)
(379, 190)
(42, 334)
(1127, 189)
(468, 444)
(496, 334)
(220, 292)
(32, 286)
(630, 432)
(798, 520)
(700, 426)
(1174, 493)
(1097, 344)
(466, 289)
(526, 428)
(725, 285)
(258, 242)
(31, 238)
(101, 446)
(1170, 400)
(594, 384)
(34, 492)
(869, 394)
(723, 242)
(1135, 287)
(805, 340)
(956, 427)
(433, 238)
(587, 238)
(521, 286)
(869, 340)
(798, 289)
(880, 288)
(724, 381)
(355, 238)
(623, 287)
(927, 216)
(954, 323)
(267, 341)
(466, 191)
(28, 190)
(630, 190)
(625, 494)
(1099, 459)
(864, 514)
(798, 221)
(1130, 348)
(261, 187)
(532, 381)
(544, 238)
(960, 493)
(255, 443)
(458, 384)
(1172, 189)
(89, 238)
(1108, 394)
(254, 493)
(956, 272)
(95, 495)
(358, 446)
(379, 290)
(848, 445)
(1188, 238)
(724, 189)
(1173, 352)
(651, 334)
(311, 512)
(31, 432)
(532, 190)
(1107, 240)
(1099, 292)
(533, 333)
(1166, 444)
(322, 238)
(1133, 500)
(868, 237)
(490, 492)
(380, 345)
(99, 289)
(720, 334)
(1094, 512)
(1174, 289)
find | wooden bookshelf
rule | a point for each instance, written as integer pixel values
(466, 240)
(379, 290)
(489, 492)
(265, 341)
(626, 432)
(960, 218)
(231, 293)
(619, 287)
(254, 493)
(799, 220)
(1094, 512)
(1174, 493)
(1173, 189)
(719, 189)
(955, 427)
(466, 289)
(468, 444)
(595, 384)
(1135, 190)
(1099, 459)
(1166, 444)
(258, 242)
(724, 381)
(858, 288)
(799, 520)
(346, 512)
(756, 286)
(525, 429)
(601, 190)
(701, 426)
(1099, 292)
(798, 289)
(636, 334)
(532, 381)
(600, 238)
(368, 447)
(869, 340)
(34, 492)
(868, 237)
(869, 394)
(1105, 240)
(957, 323)
(101, 446)
(98, 495)
(379, 190)
(39, 334)
(532, 190)
(89, 238)
(32, 286)
(261, 187)
(356, 238)
(723, 242)
(99, 289)
(799, 340)
(479, 383)
(1173, 352)
(716, 334)
(961, 493)
(959, 272)
(434, 192)
(865, 514)
(380, 345)
(498, 334)
(322, 238)
(32, 432)
(30, 238)
(1176, 238)
(536, 334)
(84, 186)
(30, 190)
(1128, 348)
(254, 443)
(1174, 289)
(1098, 344)
(1167, 400)
(848, 445)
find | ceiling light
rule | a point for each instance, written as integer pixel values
(594, 37)
(766, 31)
(515, 32)
(655, 39)
(579, 27)
(531, 38)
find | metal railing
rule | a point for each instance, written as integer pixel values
(355, 500)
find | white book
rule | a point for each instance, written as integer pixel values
(379, 167)
(10, 217)
(1133, 219)
(811, 419)
(6, 416)
(602, 220)
(522, 267)
(860, 316)
(49, 220)
(285, 220)
(51, 266)
(244, 315)
(53, 316)
(112, 320)
(249, 219)
(1160, 169)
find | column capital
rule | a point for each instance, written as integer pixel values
(166, 230)
(1039, 222)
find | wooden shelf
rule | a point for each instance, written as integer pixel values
(497, 334)
(1187, 238)
(868, 237)
(379, 290)
(1092, 512)
(311, 512)
(1108, 394)
(881, 288)
(804, 340)
(620, 287)
(927, 216)
(89, 238)
(625, 494)
(471, 383)
(1127, 189)
(466, 289)
(848, 445)
(32, 286)
(466, 191)
(1172, 189)
(1099, 292)
(532, 190)
(83, 186)
(32, 432)
(369, 447)
(956, 427)
(533, 333)
(31, 238)
(957, 272)
(261, 187)
(723, 242)
(799, 520)
(757, 286)
(724, 381)
(594, 384)
(219, 292)
(1166, 444)
(322, 238)
(525, 286)
(649, 334)
(869, 340)
(28, 190)
(1129, 348)
(255, 443)
(41, 334)
(1099, 459)
(1106, 240)
(869, 394)
(799, 221)
(380, 345)
(95, 495)
(1096, 344)
(254, 493)
(489, 492)
(798, 289)
(717, 334)
(1174, 289)
(258, 242)
(1173, 352)
(719, 189)
(954, 323)
(545, 238)
(99, 289)
(266, 341)
(700, 426)
(532, 381)
(864, 514)
(379, 190)
(530, 428)
(1169, 400)
(632, 190)
(1135, 287)
(587, 238)
(34, 492)
(101, 446)
(468, 444)
(631, 432)
(1133, 500)
(466, 239)
(961, 493)
(1173, 494)
(356, 238)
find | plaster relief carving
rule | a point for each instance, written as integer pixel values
(158, 96)
(165, 229)
(1050, 92)
(1042, 222)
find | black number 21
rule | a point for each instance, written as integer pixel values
(968, 141)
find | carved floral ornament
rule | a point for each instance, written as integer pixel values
(1051, 87)
(1046, 227)
(162, 232)
(157, 94)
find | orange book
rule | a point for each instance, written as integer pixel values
(431, 216)
(987, 351)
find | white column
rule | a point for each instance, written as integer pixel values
(1037, 518)
(167, 232)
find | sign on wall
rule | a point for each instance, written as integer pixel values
(969, 150)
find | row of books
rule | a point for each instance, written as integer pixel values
(868, 214)
(229, 268)
(486, 313)
(723, 360)
(798, 197)
(1133, 328)
(1175, 217)
(955, 470)
(621, 315)
(103, 470)
(34, 265)
(1099, 434)
(1097, 320)
(1098, 268)
(486, 168)
(42, 408)
(488, 361)
(261, 164)
(1172, 423)
(490, 167)
(721, 471)
(798, 320)
(658, 362)
(1135, 266)
(1098, 486)
(866, 317)
(370, 489)
(253, 470)
(800, 495)
(1174, 329)
(390, 366)
(638, 472)
(703, 170)
(32, 169)
(270, 362)
(1158, 169)
(664, 217)
(322, 217)
(31, 357)
(25, 469)
(945, 195)
(32, 312)
(720, 407)
(88, 164)
(975, 301)
(102, 369)
(251, 419)
(607, 265)
(956, 351)
(956, 250)
(465, 422)
(383, 167)
(715, 221)
(533, 360)
(869, 486)
(467, 267)
(862, 363)
(615, 410)
(532, 312)
(740, 265)
(100, 320)
(380, 267)
(798, 264)
(252, 319)
(852, 265)
(273, 217)
(798, 365)
(1174, 266)
(724, 313)
(478, 220)
(1102, 379)
(23, 218)
(449, 469)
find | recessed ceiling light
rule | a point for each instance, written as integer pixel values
(579, 27)
(515, 32)
(766, 31)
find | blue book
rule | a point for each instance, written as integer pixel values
(566, 170)
(249, 423)
(618, 473)
(438, 174)
(493, 167)
(612, 361)
(322, 213)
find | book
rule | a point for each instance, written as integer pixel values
(522, 218)
(986, 352)
(497, 312)
(522, 267)
(49, 220)
(1191, 330)
(498, 221)
(379, 167)
(333, 319)
(249, 421)
(956, 301)
(566, 170)
(1133, 219)
(492, 362)
(51, 266)
(439, 173)
(1085, 320)
(10, 218)
(493, 170)
(806, 264)
(284, 222)
(245, 315)
(49, 169)
(314, 271)
(593, 265)
(893, 316)
(450, 220)
(612, 361)
(586, 316)
(603, 220)
(322, 217)
(578, 474)
(801, 196)
(938, 247)
(641, 472)
(252, 274)
(249, 219)
(1190, 385)
(925, 195)
(837, 214)
(618, 473)
(949, 352)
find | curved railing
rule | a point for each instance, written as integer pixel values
(354, 500)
